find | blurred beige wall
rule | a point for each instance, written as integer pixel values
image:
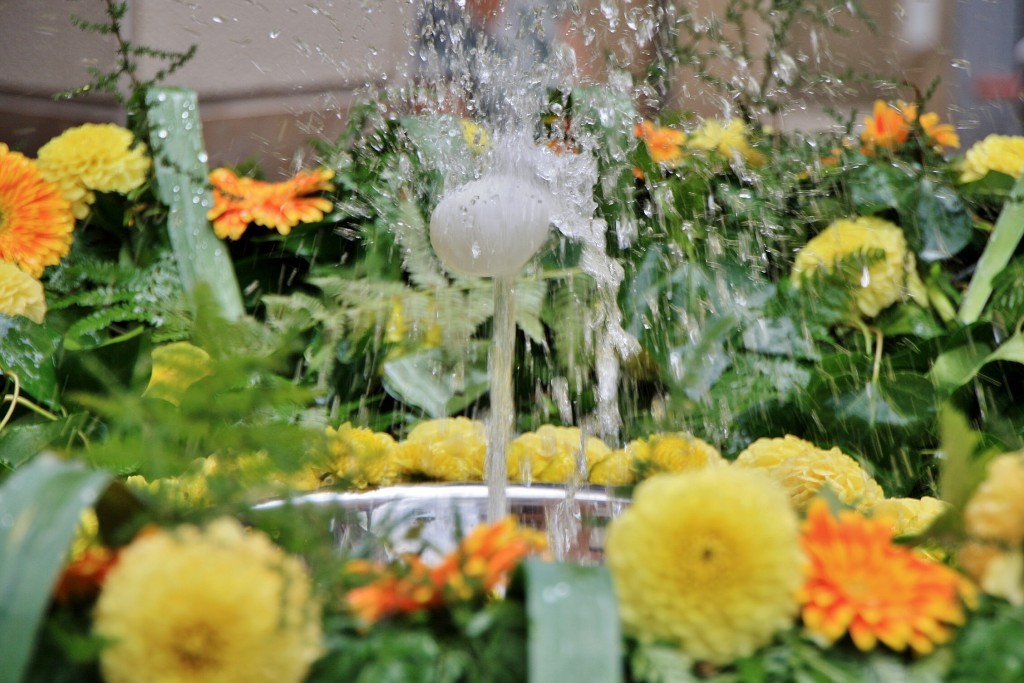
(272, 73)
(269, 73)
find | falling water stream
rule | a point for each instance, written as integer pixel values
(502, 357)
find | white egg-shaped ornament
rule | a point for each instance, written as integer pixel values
(491, 227)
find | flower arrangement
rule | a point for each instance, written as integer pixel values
(820, 418)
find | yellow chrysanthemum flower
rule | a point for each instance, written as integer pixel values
(909, 516)
(552, 454)
(35, 219)
(672, 452)
(731, 140)
(862, 583)
(708, 559)
(994, 522)
(362, 457)
(878, 285)
(219, 603)
(802, 470)
(445, 449)
(21, 294)
(91, 158)
(616, 469)
(1000, 153)
(475, 136)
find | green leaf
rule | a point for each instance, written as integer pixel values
(1000, 249)
(181, 173)
(574, 624)
(425, 381)
(879, 186)
(959, 366)
(23, 440)
(779, 336)
(935, 221)
(962, 468)
(29, 351)
(902, 400)
(40, 508)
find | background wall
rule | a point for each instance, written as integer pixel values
(272, 73)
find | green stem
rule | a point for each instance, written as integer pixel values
(1001, 245)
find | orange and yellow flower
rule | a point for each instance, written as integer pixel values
(890, 126)
(665, 145)
(35, 219)
(481, 563)
(239, 201)
(83, 577)
(860, 582)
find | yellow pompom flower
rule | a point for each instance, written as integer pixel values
(877, 286)
(1000, 153)
(35, 219)
(91, 158)
(709, 560)
(21, 294)
(994, 522)
(445, 449)
(731, 140)
(802, 470)
(909, 516)
(615, 469)
(218, 603)
(475, 136)
(552, 454)
(672, 452)
(362, 457)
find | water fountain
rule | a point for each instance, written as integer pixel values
(490, 222)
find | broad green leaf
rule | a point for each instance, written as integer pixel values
(574, 624)
(29, 351)
(959, 366)
(961, 470)
(903, 400)
(425, 380)
(1000, 249)
(181, 175)
(23, 440)
(40, 508)
(935, 221)
(779, 336)
(879, 186)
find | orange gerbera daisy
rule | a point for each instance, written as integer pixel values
(891, 126)
(860, 582)
(665, 145)
(239, 201)
(35, 219)
(481, 563)
(887, 128)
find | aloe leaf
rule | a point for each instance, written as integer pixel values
(181, 175)
(40, 508)
(1000, 248)
(574, 624)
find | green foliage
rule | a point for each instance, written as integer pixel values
(41, 504)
